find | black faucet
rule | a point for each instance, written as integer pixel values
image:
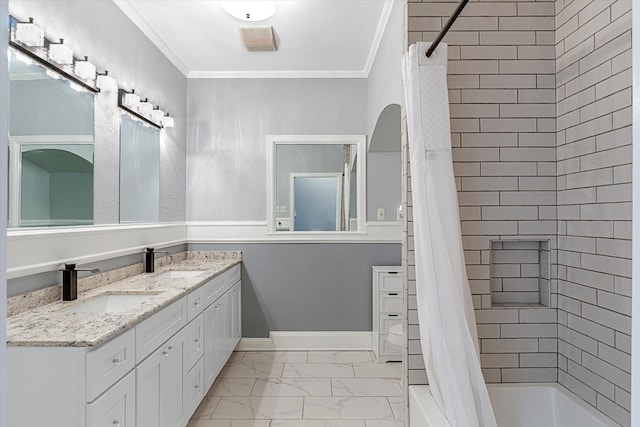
(150, 260)
(70, 281)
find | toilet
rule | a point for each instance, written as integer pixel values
(395, 335)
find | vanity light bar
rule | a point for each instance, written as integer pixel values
(25, 44)
(134, 110)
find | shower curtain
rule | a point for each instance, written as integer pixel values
(445, 310)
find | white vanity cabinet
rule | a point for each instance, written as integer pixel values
(153, 375)
(387, 311)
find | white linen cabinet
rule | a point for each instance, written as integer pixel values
(387, 311)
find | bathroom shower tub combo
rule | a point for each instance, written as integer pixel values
(515, 405)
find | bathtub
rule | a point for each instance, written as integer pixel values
(516, 405)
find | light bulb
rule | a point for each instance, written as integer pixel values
(29, 34)
(167, 121)
(250, 10)
(60, 53)
(106, 83)
(85, 69)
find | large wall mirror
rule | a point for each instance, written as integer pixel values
(50, 147)
(139, 171)
(316, 183)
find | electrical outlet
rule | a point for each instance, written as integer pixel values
(283, 209)
(381, 214)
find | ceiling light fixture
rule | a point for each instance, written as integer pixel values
(250, 10)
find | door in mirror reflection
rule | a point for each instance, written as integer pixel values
(139, 171)
(315, 202)
(50, 147)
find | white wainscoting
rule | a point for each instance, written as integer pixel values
(257, 231)
(309, 340)
(32, 251)
(39, 250)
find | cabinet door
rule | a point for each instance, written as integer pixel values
(236, 314)
(116, 407)
(172, 386)
(209, 343)
(194, 388)
(159, 392)
(220, 333)
(148, 390)
(194, 342)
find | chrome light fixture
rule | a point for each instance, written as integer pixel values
(29, 40)
(143, 110)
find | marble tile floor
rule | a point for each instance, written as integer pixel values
(303, 389)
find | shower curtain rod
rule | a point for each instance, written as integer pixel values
(448, 25)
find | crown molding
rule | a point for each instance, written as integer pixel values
(284, 74)
(377, 38)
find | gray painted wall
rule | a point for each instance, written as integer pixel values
(384, 84)
(229, 120)
(384, 172)
(4, 96)
(102, 31)
(307, 287)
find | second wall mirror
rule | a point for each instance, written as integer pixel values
(316, 183)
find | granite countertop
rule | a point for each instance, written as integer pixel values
(48, 326)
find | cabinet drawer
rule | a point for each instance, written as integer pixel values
(194, 346)
(386, 348)
(193, 388)
(195, 303)
(387, 320)
(233, 275)
(391, 281)
(390, 301)
(109, 362)
(152, 332)
(214, 289)
(115, 408)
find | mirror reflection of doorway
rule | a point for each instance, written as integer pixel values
(316, 201)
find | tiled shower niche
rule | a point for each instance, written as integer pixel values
(520, 273)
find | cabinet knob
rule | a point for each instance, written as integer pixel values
(196, 302)
(116, 360)
(170, 348)
(165, 353)
(197, 386)
(196, 340)
(116, 423)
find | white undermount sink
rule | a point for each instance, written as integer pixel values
(108, 303)
(179, 274)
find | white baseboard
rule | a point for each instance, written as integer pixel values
(309, 340)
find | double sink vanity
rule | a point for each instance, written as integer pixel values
(140, 351)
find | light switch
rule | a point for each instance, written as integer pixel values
(381, 214)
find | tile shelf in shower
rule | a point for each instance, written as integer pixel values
(520, 273)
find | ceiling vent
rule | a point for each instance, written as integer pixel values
(258, 39)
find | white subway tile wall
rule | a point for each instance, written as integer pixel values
(593, 89)
(540, 98)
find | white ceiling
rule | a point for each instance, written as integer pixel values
(315, 38)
